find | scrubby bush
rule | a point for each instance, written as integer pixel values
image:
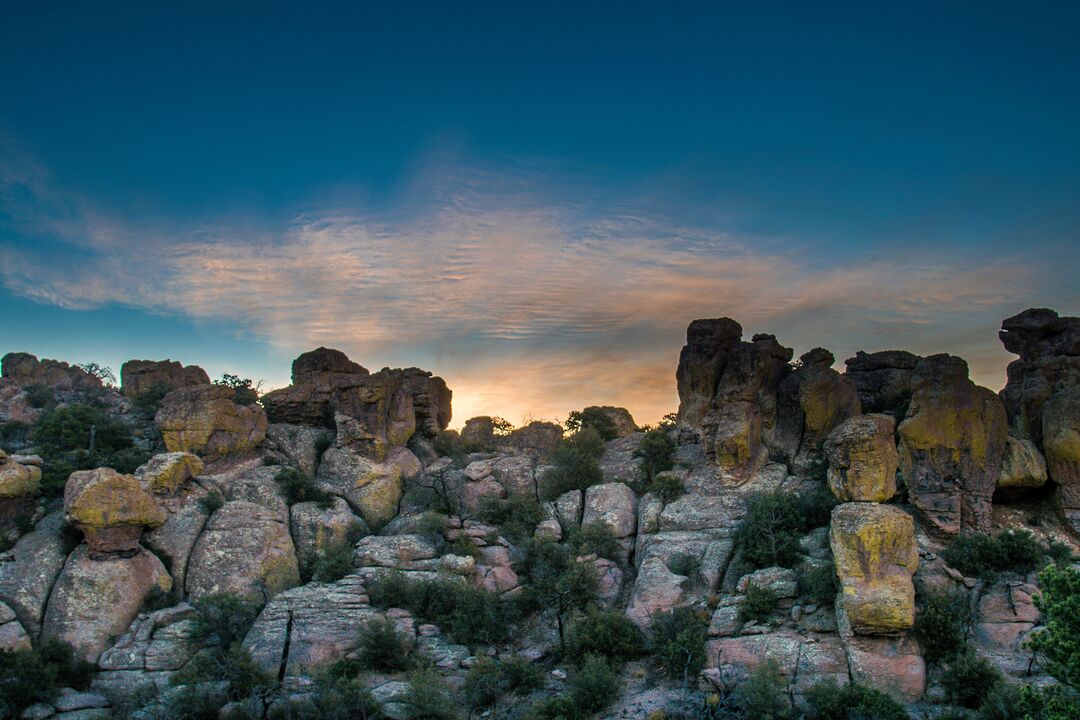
(757, 604)
(448, 443)
(769, 534)
(943, 622)
(685, 564)
(223, 619)
(678, 642)
(604, 632)
(969, 678)
(561, 707)
(593, 539)
(656, 453)
(521, 676)
(149, 401)
(483, 685)
(296, 487)
(333, 697)
(761, 697)
(334, 562)
(233, 665)
(14, 434)
(594, 419)
(212, 501)
(1057, 643)
(827, 701)
(517, 516)
(244, 391)
(983, 556)
(428, 698)
(39, 396)
(815, 506)
(594, 685)
(36, 675)
(382, 647)
(553, 580)
(667, 487)
(575, 464)
(1060, 552)
(818, 583)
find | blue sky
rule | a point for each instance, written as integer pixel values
(532, 199)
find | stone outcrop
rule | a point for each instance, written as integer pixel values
(875, 554)
(166, 473)
(883, 380)
(951, 446)
(94, 601)
(863, 459)
(316, 529)
(204, 419)
(373, 489)
(620, 418)
(1061, 443)
(24, 369)
(538, 438)
(325, 366)
(1023, 468)
(301, 444)
(140, 377)
(28, 576)
(20, 484)
(13, 635)
(111, 510)
(701, 363)
(811, 401)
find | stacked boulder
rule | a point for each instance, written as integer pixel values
(875, 557)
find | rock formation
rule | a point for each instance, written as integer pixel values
(883, 380)
(20, 483)
(139, 377)
(23, 369)
(863, 459)
(204, 419)
(111, 510)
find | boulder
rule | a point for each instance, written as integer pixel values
(1061, 443)
(36, 561)
(376, 415)
(203, 419)
(94, 601)
(325, 365)
(656, 589)
(155, 645)
(316, 529)
(782, 582)
(951, 446)
(479, 432)
(883, 380)
(20, 485)
(373, 489)
(891, 665)
(401, 552)
(620, 418)
(245, 549)
(613, 505)
(538, 438)
(186, 513)
(24, 369)
(13, 635)
(515, 474)
(875, 557)
(303, 445)
(164, 474)
(111, 510)
(1023, 468)
(139, 377)
(811, 401)
(863, 459)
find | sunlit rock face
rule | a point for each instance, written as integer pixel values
(951, 446)
(204, 419)
(863, 459)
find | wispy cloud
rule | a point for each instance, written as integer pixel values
(530, 302)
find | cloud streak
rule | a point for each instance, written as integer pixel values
(529, 302)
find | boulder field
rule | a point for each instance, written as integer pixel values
(300, 503)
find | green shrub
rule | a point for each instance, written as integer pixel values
(815, 506)
(212, 501)
(296, 487)
(39, 396)
(448, 443)
(36, 675)
(593, 539)
(233, 665)
(483, 685)
(428, 698)
(553, 580)
(553, 708)
(1054, 702)
(382, 647)
(678, 643)
(1057, 643)
(668, 488)
(223, 619)
(594, 686)
(978, 555)
(575, 464)
(656, 453)
(244, 391)
(604, 632)
(158, 599)
(818, 583)
(14, 434)
(521, 676)
(333, 697)
(517, 516)
(687, 565)
(761, 697)
(334, 562)
(1060, 552)
(969, 678)
(769, 534)
(594, 419)
(942, 623)
(758, 604)
(851, 702)
(194, 703)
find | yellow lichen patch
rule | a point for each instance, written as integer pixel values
(105, 498)
(18, 481)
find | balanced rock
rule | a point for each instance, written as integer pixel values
(951, 445)
(204, 419)
(812, 400)
(883, 380)
(167, 472)
(875, 555)
(140, 377)
(863, 459)
(111, 510)
(1023, 468)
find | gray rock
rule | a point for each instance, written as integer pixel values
(300, 444)
(613, 505)
(27, 578)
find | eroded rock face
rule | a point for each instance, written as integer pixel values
(139, 377)
(111, 510)
(883, 380)
(951, 446)
(94, 601)
(875, 555)
(1023, 468)
(316, 529)
(325, 365)
(166, 473)
(20, 484)
(863, 459)
(302, 444)
(656, 589)
(376, 416)
(812, 400)
(203, 419)
(1061, 442)
(701, 363)
(245, 549)
(373, 489)
(26, 579)
(24, 369)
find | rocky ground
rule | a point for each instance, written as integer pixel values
(201, 552)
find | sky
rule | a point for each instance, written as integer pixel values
(532, 200)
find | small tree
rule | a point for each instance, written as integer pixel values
(1057, 644)
(557, 581)
(656, 453)
(592, 418)
(102, 373)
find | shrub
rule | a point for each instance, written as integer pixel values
(244, 391)
(594, 419)
(851, 702)
(553, 708)
(148, 402)
(983, 556)
(575, 464)
(760, 696)
(656, 452)
(482, 686)
(594, 685)
(942, 623)
(36, 675)
(428, 698)
(520, 676)
(758, 604)
(969, 678)
(14, 434)
(818, 583)
(678, 643)
(1061, 553)
(815, 506)
(194, 703)
(604, 632)
(552, 579)
(223, 619)
(334, 562)
(685, 564)
(1057, 643)
(382, 647)
(212, 501)
(158, 599)
(333, 697)
(39, 396)
(234, 666)
(593, 539)
(769, 534)
(448, 443)
(297, 487)
(517, 515)
(668, 488)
